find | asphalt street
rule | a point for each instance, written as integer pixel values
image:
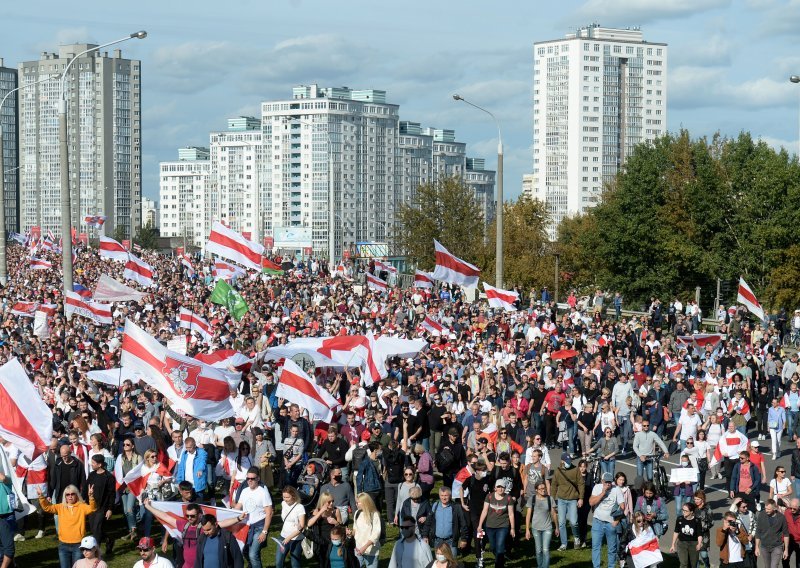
(716, 492)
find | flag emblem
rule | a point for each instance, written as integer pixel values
(184, 376)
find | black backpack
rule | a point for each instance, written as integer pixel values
(445, 459)
(395, 465)
(358, 456)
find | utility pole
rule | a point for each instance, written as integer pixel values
(717, 300)
(556, 275)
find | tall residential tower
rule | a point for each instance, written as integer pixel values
(597, 93)
(10, 149)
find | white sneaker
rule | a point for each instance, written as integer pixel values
(18, 538)
(562, 547)
(758, 506)
(39, 534)
(774, 457)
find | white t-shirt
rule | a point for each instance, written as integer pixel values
(780, 488)
(291, 515)
(689, 426)
(253, 502)
(602, 511)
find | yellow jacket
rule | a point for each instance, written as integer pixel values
(71, 518)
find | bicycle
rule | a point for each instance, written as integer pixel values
(593, 468)
(792, 339)
(660, 479)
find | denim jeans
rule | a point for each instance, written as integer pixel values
(608, 466)
(542, 540)
(796, 486)
(567, 511)
(497, 539)
(449, 541)
(625, 434)
(572, 432)
(368, 561)
(252, 548)
(679, 501)
(69, 554)
(791, 422)
(601, 530)
(644, 469)
(293, 551)
(147, 521)
(129, 507)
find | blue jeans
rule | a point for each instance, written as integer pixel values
(644, 469)
(147, 521)
(567, 511)
(679, 501)
(601, 530)
(791, 422)
(69, 554)
(796, 486)
(542, 540)
(497, 540)
(368, 561)
(572, 433)
(292, 550)
(129, 507)
(625, 433)
(608, 466)
(252, 548)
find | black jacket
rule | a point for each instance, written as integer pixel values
(460, 527)
(230, 556)
(323, 547)
(424, 511)
(63, 475)
(105, 490)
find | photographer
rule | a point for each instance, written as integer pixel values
(731, 539)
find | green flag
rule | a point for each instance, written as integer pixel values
(226, 296)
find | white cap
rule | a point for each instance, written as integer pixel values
(754, 444)
(88, 542)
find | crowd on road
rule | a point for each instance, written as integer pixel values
(507, 428)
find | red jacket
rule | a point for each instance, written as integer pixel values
(793, 522)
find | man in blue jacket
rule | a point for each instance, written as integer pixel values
(745, 480)
(192, 467)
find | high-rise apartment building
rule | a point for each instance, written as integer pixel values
(482, 182)
(184, 195)
(104, 140)
(597, 93)
(150, 215)
(10, 149)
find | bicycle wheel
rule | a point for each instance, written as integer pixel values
(787, 340)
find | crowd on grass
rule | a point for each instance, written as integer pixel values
(507, 428)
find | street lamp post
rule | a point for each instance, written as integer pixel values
(3, 262)
(796, 79)
(66, 198)
(499, 206)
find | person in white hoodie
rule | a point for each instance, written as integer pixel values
(410, 551)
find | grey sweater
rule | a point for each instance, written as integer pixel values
(771, 530)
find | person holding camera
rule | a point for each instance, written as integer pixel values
(732, 539)
(772, 536)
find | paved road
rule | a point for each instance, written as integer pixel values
(715, 490)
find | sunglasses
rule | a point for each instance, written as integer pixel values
(191, 516)
(70, 494)
(252, 479)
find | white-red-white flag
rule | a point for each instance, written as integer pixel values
(747, 298)
(423, 279)
(40, 264)
(229, 244)
(225, 359)
(453, 270)
(499, 298)
(177, 510)
(375, 283)
(197, 389)
(25, 421)
(434, 327)
(740, 406)
(136, 479)
(297, 387)
(644, 549)
(109, 290)
(225, 270)
(109, 248)
(28, 309)
(193, 322)
(139, 271)
(186, 261)
(385, 267)
(96, 311)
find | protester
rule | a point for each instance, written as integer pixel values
(148, 557)
(568, 488)
(215, 546)
(410, 551)
(731, 539)
(772, 536)
(498, 519)
(72, 512)
(367, 531)
(687, 540)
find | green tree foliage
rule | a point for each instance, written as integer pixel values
(527, 253)
(448, 212)
(147, 237)
(119, 233)
(684, 212)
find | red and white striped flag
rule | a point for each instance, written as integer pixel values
(297, 387)
(40, 264)
(453, 270)
(385, 267)
(139, 271)
(193, 322)
(224, 359)
(747, 298)
(186, 261)
(25, 309)
(434, 327)
(95, 220)
(137, 248)
(136, 479)
(375, 283)
(192, 387)
(644, 550)
(225, 270)
(177, 510)
(33, 472)
(423, 279)
(95, 311)
(109, 248)
(229, 244)
(48, 244)
(740, 406)
(499, 298)
(26, 421)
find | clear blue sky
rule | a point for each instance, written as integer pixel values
(204, 61)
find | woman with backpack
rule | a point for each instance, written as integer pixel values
(403, 491)
(540, 520)
(653, 508)
(338, 550)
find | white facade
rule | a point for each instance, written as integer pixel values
(150, 215)
(184, 192)
(597, 93)
(104, 131)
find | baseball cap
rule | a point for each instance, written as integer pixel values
(500, 482)
(374, 425)
(608, 477)
(88, 543)
(365, 436)
(566, 458)
(754, 444)
(145, 543)
(138, 425)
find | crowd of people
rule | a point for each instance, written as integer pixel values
(508, 428)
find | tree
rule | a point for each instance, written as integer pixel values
(527, 254)
(148, 237)
(446, 211)
(578, 242)
(119, 233)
